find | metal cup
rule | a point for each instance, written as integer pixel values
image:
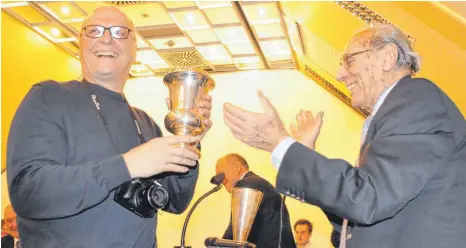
(244, 205)
(186, 88)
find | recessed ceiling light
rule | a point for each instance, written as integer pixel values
(65, 10)
(190, 18)
(55, 32)
(262, 12)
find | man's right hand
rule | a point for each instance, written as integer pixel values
(161, 155)
(307, 128)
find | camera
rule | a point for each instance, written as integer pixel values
(142, 197)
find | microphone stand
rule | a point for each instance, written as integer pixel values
(183, 233)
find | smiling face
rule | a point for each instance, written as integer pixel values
(10, 222)
(363, 70)
(107, 60)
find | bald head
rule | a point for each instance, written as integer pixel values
(9, 212)
(107, 48)
(108, 10)
(10, 221)
(234, 166)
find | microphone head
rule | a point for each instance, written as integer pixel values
(217, 179)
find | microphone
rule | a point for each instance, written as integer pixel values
(216, 180)
(216, 242)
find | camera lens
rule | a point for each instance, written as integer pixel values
(157, 196)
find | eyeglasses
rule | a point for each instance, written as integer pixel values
(345, 60)
(96, 31)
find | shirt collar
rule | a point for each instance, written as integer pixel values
(244, 175)
(381, 98)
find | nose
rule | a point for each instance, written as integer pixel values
(342, 74)
(106, 37)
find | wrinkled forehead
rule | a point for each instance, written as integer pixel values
(359, 41)
(109, 16)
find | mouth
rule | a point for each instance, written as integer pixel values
(105, 54)
(351, 86)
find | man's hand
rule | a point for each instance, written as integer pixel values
(204, 107)
(307, 128)
(261, 130)
(161, 155)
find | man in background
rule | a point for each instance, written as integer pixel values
(10, 235)
(303, 233)
(265, 232)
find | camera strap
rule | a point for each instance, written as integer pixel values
(103, 121)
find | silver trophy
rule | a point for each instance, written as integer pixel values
(186, 88)
(244, 205)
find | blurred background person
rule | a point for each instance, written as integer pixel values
(303, 233)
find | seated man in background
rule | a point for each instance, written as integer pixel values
(265, 232)
(303, 233)
(10, 235)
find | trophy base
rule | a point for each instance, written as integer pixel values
(182, 247)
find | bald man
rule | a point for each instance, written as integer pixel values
(265, 232)
(10, 234)
(77, 149)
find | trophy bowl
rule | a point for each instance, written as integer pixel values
(186, 88)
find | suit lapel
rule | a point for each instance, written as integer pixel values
(375, 123)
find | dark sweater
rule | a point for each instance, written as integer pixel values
(63, 169)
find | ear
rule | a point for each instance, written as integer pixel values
(390, 56)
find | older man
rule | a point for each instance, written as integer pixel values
(78, 152)
(10, 234)
(408, 188)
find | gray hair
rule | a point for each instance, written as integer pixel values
(384, 34)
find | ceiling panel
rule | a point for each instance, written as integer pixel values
(202, 35)
(171, 43)
(262, 13)
(276, 50)
(225, 15)
(211, 35)
(147, 14)
(63, 10)
(212, 4)
(216, 54)
(240, 48)
(269, 30)
(190, 20)
(230, 35)
(29, 14)
(179, 4)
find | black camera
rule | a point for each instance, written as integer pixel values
(142, 196)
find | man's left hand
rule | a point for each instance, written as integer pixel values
(261, 130)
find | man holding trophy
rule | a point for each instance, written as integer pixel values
(85, 169)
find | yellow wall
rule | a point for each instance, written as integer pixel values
(289, 91)
(27, 58)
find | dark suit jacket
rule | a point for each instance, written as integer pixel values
(8, 242)
(266, 228)
(409, 190)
